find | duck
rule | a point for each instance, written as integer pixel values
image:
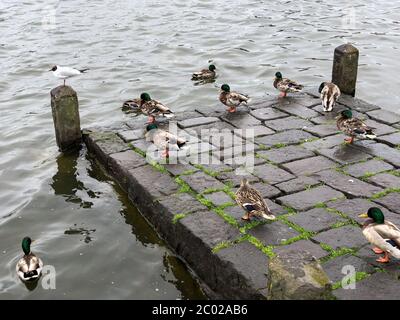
(381, 233)
(205, 74)
(29, 267)
(250, 199)
(163, 140)
(330, 92)
(232, 99)
(353, 127)
(153, 108)
(132, 105)
(285, 85)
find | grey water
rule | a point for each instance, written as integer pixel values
(83, 224)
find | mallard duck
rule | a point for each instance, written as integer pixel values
(132, 105)
(205, 74)
(330, 92)
(353, 127)
(153, 108)
(163, 140)
(252, 202)
(29, 267)
(231, 99)
(285, 85)
(383, 234)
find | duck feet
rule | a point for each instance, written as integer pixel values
(165, 154)
(377, 250)
(246, 217)
(231, 109)
(282, 94)
(384, 259)
(349, 140)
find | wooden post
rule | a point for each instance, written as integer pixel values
(344, 71)
(65, 109)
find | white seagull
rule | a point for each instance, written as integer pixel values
(66, 72)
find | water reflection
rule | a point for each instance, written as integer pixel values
(66, 182)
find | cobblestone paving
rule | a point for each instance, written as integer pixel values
(315, 184)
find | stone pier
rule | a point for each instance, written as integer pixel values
(314, 183)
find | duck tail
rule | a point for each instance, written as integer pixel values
(84, 70)
(168, 114)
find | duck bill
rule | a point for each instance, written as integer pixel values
(363, 215)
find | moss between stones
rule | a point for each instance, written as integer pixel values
(335, 253)
(320, 205)
(384, 193)
(178, 216)
(267, 250)
(358, 277)
(226, 217)
(222, 245)
(137, 150)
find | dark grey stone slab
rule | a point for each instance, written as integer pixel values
(146, 176)
(271, 174)
(223, 139)
(120, 163)
(286, 154)
(179, 168)
(241, 120)
(273, 233)
(356, 104)
(266, 190)
(307, 199)
(379, 286)
(233, 178)
(208, 227)
(366, 254)
(306, 100)
(297, 184)
(181, 203)
(288, 123)
(249, 261)
(316, 220)
(392, 139)
(334, 267)
(208, 130)
(325, 143)
(344, 154)
(130, 135)
(275, 208)
(142, 144)
(353, 207)
(180, 116)
(380, 128)
(219, 198)
(343, 237)
(268, 114)
(384, 116)
(302, 246)
(193, 122)
(323, 130)
(369, 167)
(381, 150)
(390, 201)
(348, 185)
(309, 166)
(250, 133)
(386, 180)
(299, 111)
(104, 143)
(263, 103)
(200, 181)
(286, 137)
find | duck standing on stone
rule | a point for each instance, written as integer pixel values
(330, 92)
(29, 267)
(252, 202)
(285, 85)
(353, 127)
(383, 234)
(153, 108)
(231, 99)
(163, 140)
(205, 74)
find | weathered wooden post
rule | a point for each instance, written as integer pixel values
(345, 65)
(65, 109)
